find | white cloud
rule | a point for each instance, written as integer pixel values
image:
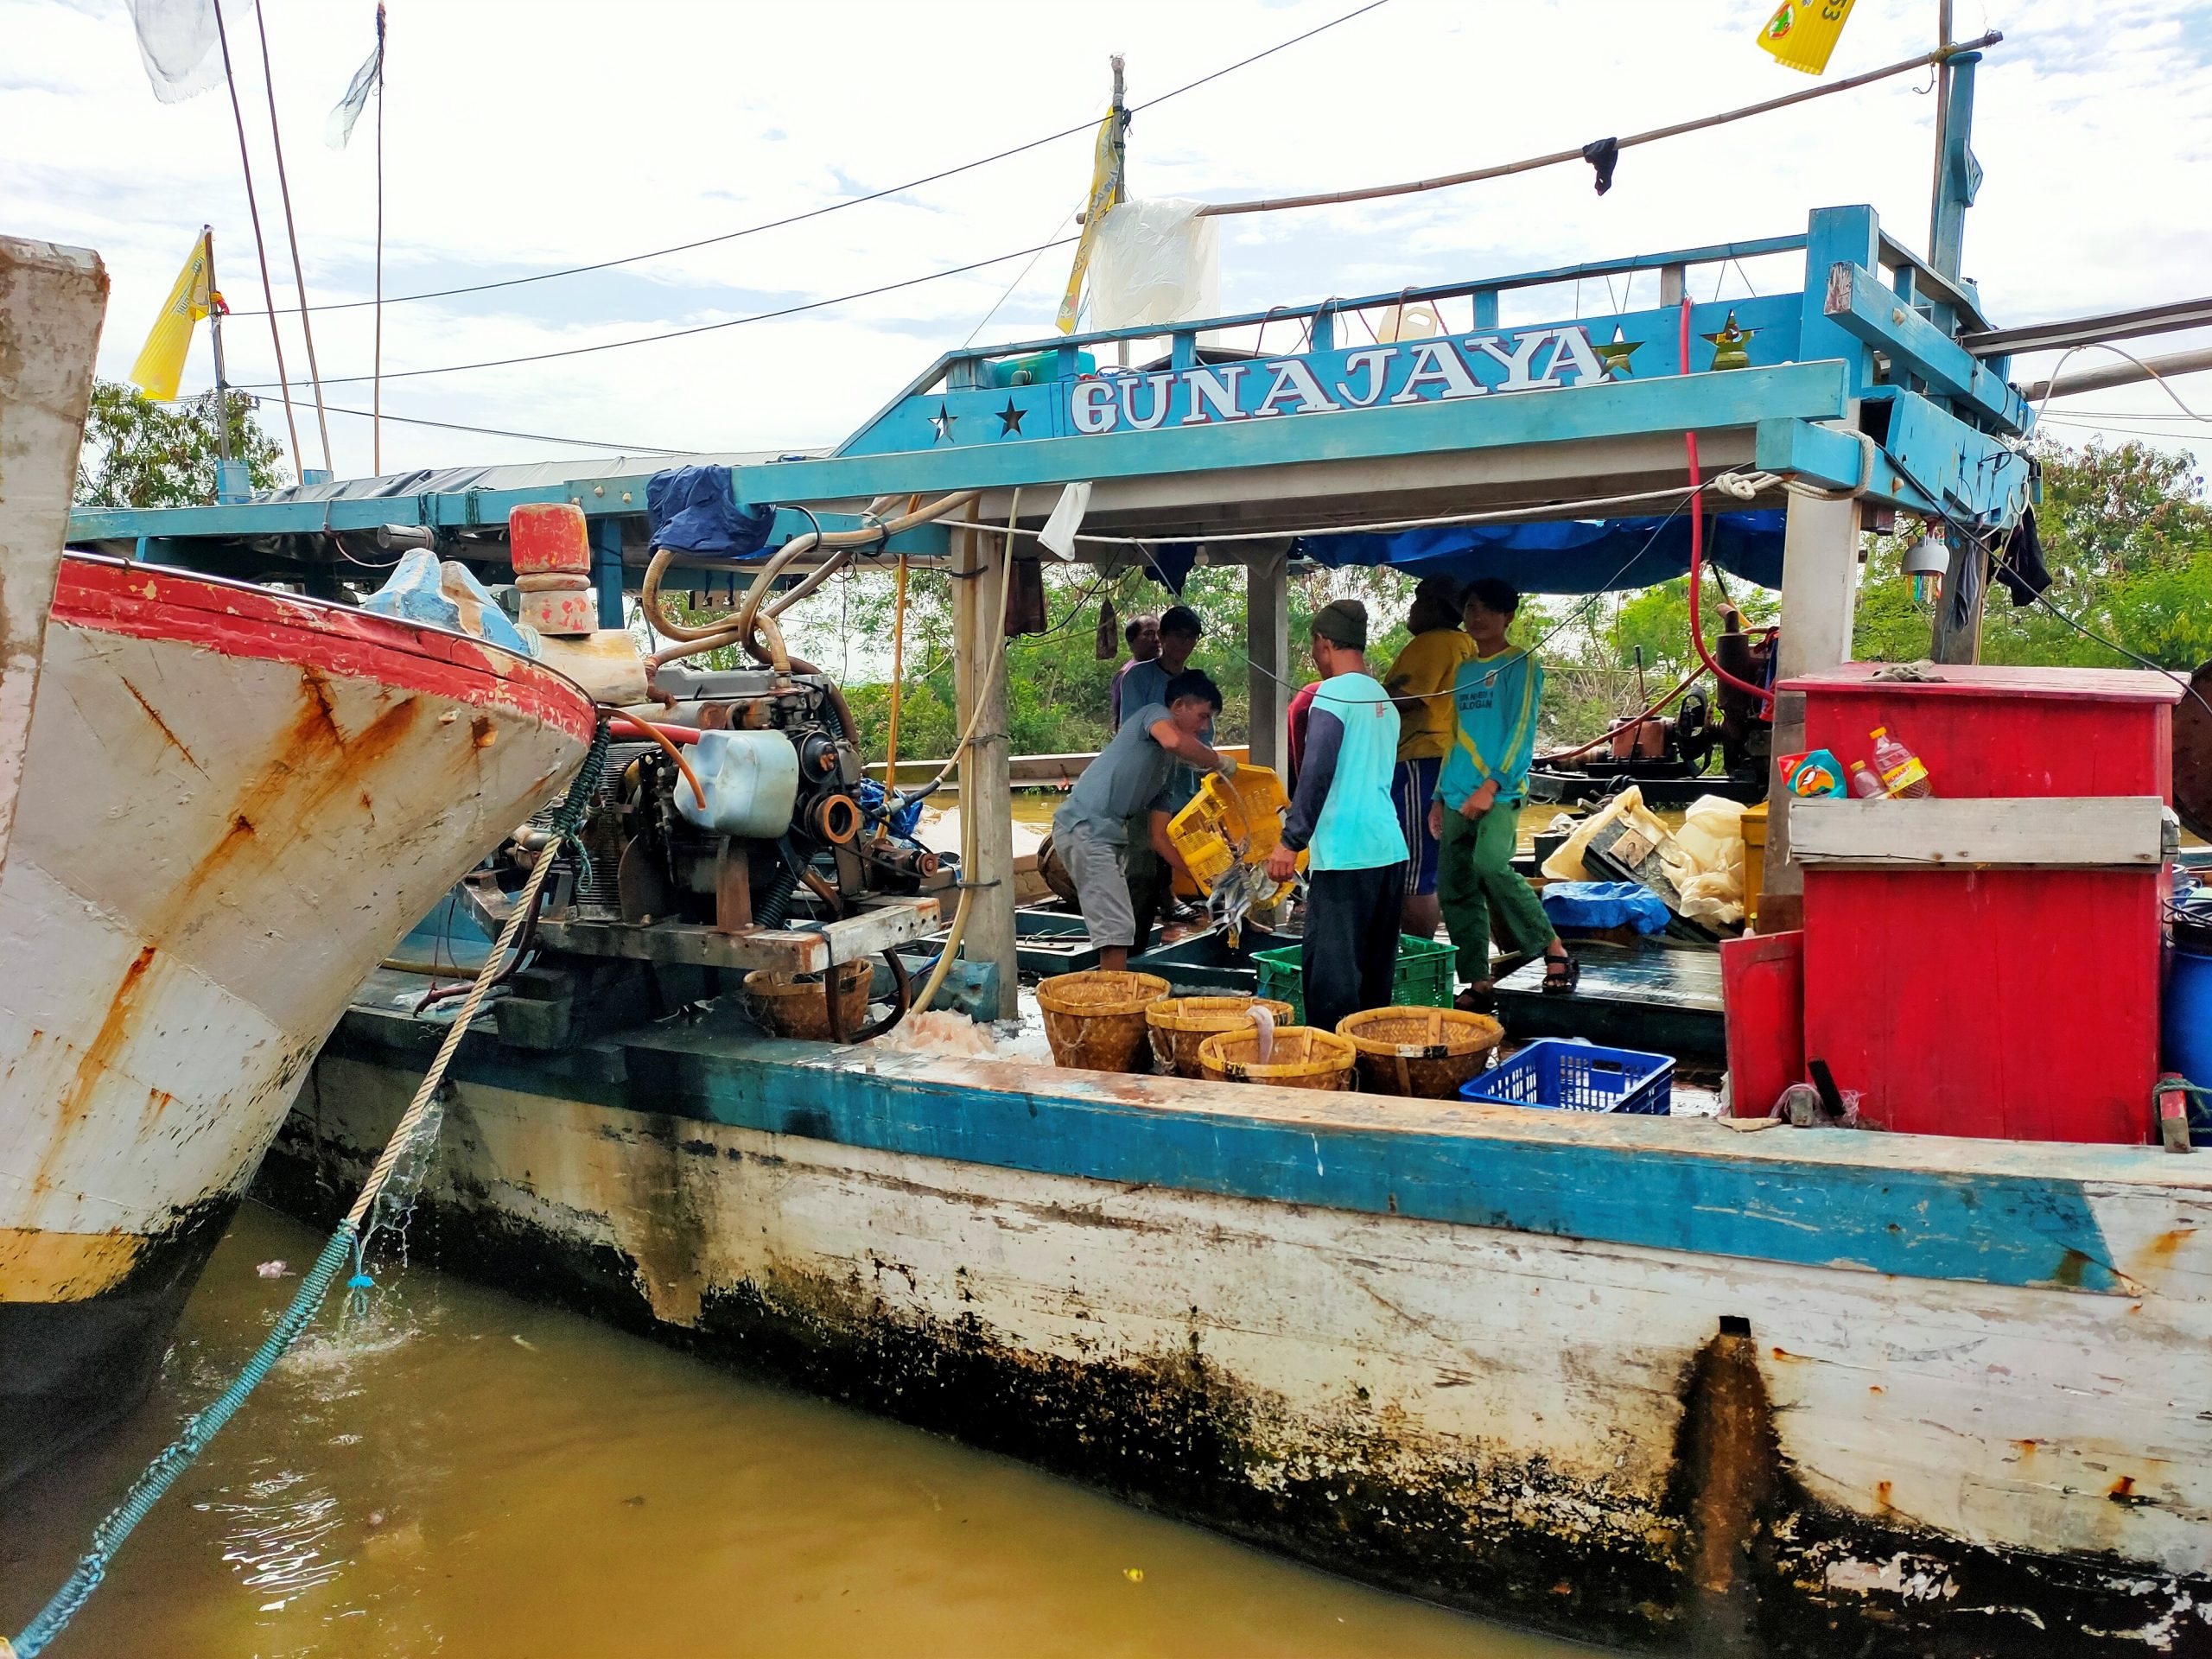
(519, 137)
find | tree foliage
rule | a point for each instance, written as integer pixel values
(140, 454)
(2128, 541)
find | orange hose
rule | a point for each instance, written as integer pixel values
(674, 753)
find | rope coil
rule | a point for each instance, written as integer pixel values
(338, 1252)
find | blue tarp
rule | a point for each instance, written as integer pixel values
(1603, 904)
(1574, 556)
(693, 510)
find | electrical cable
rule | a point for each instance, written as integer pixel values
(850, 201)
(2051, 380)
(673, 334)
(508, 432)
(2044, 598)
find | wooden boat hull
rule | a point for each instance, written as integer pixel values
(1642, 1381)
(233, 802)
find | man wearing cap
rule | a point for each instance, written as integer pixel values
(1421, 683)
(1145, 682)
(1343, 816)
(1128, 784)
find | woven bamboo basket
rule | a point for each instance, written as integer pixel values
(1180, 1024)
(1302, 1057)
(791, 1007)
(1428, 1052)
(1096, 1021)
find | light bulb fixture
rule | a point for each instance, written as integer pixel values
(1926, 561)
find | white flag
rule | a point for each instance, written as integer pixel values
(369, 77)
(178, 42)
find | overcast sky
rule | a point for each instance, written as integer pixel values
(525, 135)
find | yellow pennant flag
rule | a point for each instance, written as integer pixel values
(1801, 33)
(161, 361)
(1105, 191)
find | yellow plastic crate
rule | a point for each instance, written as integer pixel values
(1232, 821)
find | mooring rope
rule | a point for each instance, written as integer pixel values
(203, 1425)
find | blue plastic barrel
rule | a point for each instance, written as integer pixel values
(2186, 1026)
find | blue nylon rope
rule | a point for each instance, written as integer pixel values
(203, 1425)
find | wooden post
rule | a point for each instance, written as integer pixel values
(979, 568)
(1267, 636)
(1956, 639)
(1820, 584)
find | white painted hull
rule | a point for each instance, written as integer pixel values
(1675, 1446)
(233, 802)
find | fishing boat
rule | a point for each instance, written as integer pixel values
(224, 803)
(1684, 1383)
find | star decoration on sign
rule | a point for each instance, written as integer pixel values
(942, 423)
(1615, 354)
(1728, 344)
(1010, 419)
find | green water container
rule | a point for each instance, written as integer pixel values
(1037, 367)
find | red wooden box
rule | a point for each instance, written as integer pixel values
(2018, 1004)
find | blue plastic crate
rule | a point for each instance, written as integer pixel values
(1579, 1077)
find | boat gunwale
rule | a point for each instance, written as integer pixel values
(505, 676)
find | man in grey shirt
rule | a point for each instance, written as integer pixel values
(1130, 780)
(1175, 636)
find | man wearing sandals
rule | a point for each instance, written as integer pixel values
(1494, 696)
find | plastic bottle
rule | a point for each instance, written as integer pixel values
(1904, 777)
(1863, 784)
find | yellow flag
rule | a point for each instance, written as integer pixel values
(1801, 33)
(160, 362)
(1105, 191)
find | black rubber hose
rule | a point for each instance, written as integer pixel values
(902, 998)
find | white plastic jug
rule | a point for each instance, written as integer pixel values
(751, 779)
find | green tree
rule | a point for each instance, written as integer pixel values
(140, 454)
(2128, 538)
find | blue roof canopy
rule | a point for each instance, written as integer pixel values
(1569, 557)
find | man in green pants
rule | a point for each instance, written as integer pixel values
(1485, 774)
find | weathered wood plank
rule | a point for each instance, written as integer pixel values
(2082, 832)
(792, 950)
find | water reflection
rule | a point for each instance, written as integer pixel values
(455, 1473)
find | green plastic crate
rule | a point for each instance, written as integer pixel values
(1422, 978)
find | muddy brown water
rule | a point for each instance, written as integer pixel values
(457, 1472)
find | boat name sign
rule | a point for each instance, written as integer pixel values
(1409, 371)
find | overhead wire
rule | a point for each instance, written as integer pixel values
(1086, 126)
(260, 245)
(292, 234)
(680, 334)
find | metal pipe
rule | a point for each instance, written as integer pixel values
(2123, 373)
(2163, 319)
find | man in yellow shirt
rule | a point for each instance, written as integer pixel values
(1420, 685)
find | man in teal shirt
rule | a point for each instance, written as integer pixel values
(1342, 811)
(1478, 795)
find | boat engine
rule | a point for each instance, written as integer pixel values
(790, 826)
